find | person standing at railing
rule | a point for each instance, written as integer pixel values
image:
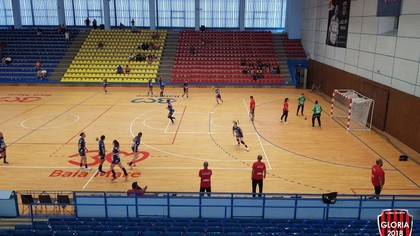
(205, 183)
(258, 175)
(378, 178)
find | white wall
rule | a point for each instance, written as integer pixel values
(392, 59)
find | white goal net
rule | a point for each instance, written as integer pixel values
(352, 109)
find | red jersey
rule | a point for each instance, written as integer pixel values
(205, 175)
(252, 104)
(376, 173)
(258, 170)
(285, 106)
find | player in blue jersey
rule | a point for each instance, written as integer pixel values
(237, 132)
(3, 149)
(161, 85)
(218, 95)
(105, 84)
(101, 152)
(171, 110)
(150, 85)
(135, 149)
(82, 151)
(185, 88)
(117, 161)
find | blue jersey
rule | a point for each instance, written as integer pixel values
(238, 131)
(105, 82)
(170, 108)
(2, 144)
(136, 143)
(82, 147)
(101, 147)
(115, 155)
(150, 83)
(161, 83)
(217, 91)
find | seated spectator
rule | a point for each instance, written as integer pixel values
(131, 57)
(120, 69)
(8, 60)
(127, 69)
(139, 57)
(100, 45)
(136, 190)
(41, 74)
(155, 46)
(3, 60)
(67, 35)
(38, 64)
(61, 28)
(2, 45)
(39, 32)
(155, 36)
(122, 26)
(191, 50)
(243, 62)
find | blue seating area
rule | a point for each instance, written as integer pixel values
(194, 227)
(25, 47)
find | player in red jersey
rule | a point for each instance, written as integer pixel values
(252, 108)
(258, 175)
(205, 183)
(285, 110)
(378, 177)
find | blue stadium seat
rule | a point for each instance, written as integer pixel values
(43, 233)
(152, 233)
(129, 233)
(5, 232)
(64, 233)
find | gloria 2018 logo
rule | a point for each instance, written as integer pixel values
(96, 160)
(395, 223)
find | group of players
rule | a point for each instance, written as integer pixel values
(116, 161)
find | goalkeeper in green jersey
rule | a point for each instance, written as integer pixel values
(317, 114)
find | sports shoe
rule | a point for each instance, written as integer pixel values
(113, 179)
(125, 177)
(5, 162)
(130, 167)
(247, 149)
(87, 168)
(101, 172)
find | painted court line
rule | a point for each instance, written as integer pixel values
(179, 125)
(90, 179)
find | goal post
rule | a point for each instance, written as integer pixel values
(352, 109)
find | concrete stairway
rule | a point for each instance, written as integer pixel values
(168, 57)
(68, 57)
(282, 55)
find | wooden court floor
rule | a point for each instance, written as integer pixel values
(41, 126)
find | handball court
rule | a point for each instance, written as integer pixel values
(41, 127)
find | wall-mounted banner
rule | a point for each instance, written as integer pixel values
(338, 23)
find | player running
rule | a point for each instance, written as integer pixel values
(82, 151)
(218, 96)
(171, 110)
(237, 132)
(117, 161)
(135, 149)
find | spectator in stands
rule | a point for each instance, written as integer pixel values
(41, 73)
(243, 62)
(127, 69)
(136, 190)
(7, 60)
(133, 26)
(3, 60)
(155, 35)
(191, 50)
(122, 26)
(100, 45)
(87, 22)
(61, 28)
(155, 46)
(139, 57)
(38, 64)
(94, 24)
(2, 45)
(120, 69)
(39, 32)
(131, 57)
(67, 35)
